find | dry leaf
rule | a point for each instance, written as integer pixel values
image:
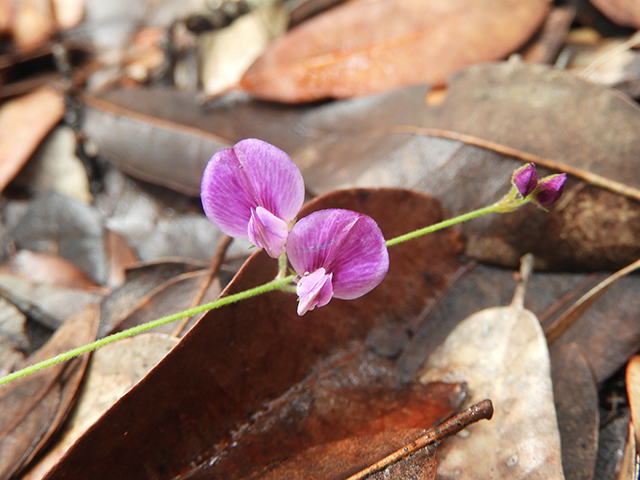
(502, 354)
(24, 122)
(576, 401)
(50, 269)
(623, 12)
(366, 47)
(239, 357)
(227, 53)
(35, 406)
(113, 370)
(62, 225)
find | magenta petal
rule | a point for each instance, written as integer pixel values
(551, 189)
(275, 179)
(525, 179)
(314, 290)
(347, 244)
(267, 231)
(251, 174)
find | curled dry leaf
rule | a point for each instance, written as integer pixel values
(241, 356)
(34, 407)
(502, 354)
(339, 54)
(24, 122)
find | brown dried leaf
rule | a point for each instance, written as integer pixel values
(576, 400)
(49, 269)
(622, 12)
(502, 354)
(240, 356)
(33, 407)
(113, 370)
(24, 122)
(366, 47)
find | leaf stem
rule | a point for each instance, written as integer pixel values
(252, 292)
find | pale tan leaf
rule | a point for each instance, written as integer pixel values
(502, 354)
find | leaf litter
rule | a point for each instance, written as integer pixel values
(331, 138)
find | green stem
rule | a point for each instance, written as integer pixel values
(444, 224)
(252, 292)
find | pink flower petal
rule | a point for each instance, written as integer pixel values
(251, 174)
(314, 290)
(347, 244)
(267, 231)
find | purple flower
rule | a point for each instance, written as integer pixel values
(525, 179)
(253, 191)
(337, 253)
(550, 189)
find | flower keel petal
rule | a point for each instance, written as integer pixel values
(314, 290)
(267, 231)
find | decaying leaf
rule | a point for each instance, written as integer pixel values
(24, 122)
(338, 53)
(34, 407)
(112, 371)
(502, 354)
(237, 358)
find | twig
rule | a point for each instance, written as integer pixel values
(480, 411)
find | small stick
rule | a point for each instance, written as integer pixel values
(480, 411)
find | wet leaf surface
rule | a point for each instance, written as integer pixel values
(246, 354)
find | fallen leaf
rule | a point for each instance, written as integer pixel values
(34, 407)
(74, 230)
(25, 122)
(238, 357)
(113, 370)
(48, 305)
(47, 268)
(502, 354)
(226, 54)
(338, 54)
(576, 401)
(623, 12)
(55, 166)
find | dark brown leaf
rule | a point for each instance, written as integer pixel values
(239, 357)
(338, 54)
(33, 407)
(576, 399)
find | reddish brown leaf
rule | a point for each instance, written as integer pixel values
(239, 357)
(366, 47)
(33, 407)
(24, 122)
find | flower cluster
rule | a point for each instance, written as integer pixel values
(543, 193)
(254, 191)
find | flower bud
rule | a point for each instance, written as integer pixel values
(525, 179)
(550, 189)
